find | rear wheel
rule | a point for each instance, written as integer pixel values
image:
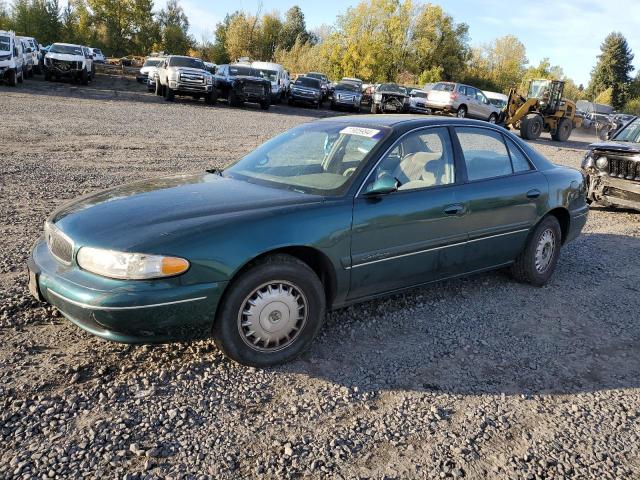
(270, 313)
(538, 260)
(493, 118)
(563, 130)
(531, 127)
(461, 112)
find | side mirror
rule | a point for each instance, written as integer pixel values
(382, 186)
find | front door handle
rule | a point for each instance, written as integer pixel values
(455, 209)
(534, 193)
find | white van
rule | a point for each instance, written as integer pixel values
(11, 59)
(278, 76)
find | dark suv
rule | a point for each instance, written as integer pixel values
(306, 90)
(240, 83)
(612, 169)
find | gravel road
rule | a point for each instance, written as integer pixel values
(476, 378)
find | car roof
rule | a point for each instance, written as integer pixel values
(408, 121)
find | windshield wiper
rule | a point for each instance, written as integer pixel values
(215, 171)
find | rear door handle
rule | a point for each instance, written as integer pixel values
(534, 193)
(455, 209)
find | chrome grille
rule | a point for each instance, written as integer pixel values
(64, 65)
(624, 168)
(192, 78)
(59, 244)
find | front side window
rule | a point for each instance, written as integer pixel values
(421, 159)
(485, 153)
(5, 43)
(319, 158)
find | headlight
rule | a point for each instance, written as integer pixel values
(377, 97)
(602, 163)
(129, 266)
(209, 80)
(587, 162)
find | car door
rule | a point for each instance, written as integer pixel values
(484, 106)
(503, 195)
(474, 106)
(415, 234)
(89, 59)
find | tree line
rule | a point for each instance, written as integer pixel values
(376, 40)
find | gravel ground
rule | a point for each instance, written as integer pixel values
(476, 378)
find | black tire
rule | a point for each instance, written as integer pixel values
(461, 112)
(21, 77)
(47, 76)
(526, 268)
(233, 99)
(493, 118)
(211, 98)
(563, 130)
(150, 89)
(84, 77)
(277, 269)
(12, 79)
(159, 92)
(169, 94)
(531, 127)
(332, 106)
(374, 108)
(265, 104)
(291, 102)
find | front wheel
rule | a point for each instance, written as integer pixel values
(158, 88)
(211, 98)
(271, 312)
(563, 130)
(265, 104)
(538, 260)
(12, 78)
(531, 127)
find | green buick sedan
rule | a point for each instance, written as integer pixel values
(327, 214)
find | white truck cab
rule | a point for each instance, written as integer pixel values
(278, 76)
(32, 49)
(65, 60)
(11, 59)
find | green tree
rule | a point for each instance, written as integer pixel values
(294, 28)
(438, 41)
(241, 35)
(175, 29)
(5, 19)
(269, 36)
(145, 28)
(114, 18)
(612, 70)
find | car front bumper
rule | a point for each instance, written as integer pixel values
(189, 87)
(120, 310)
(612, 191)
(440, 107)
(304, 99)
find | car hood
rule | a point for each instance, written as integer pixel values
(247, 78)
(65, 56)
(395, 94)
(140, 212)
(629, 147)
(197, 71)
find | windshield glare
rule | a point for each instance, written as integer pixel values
(186, 62)
(317, 158)
(630, 133)
(347, 86)
(270, 75)
(152, 62)
(66, 49)
(443, 87)
(5, 43)
(242, 71)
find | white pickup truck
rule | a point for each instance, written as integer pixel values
(65, 60)
(11, 59)
(179, 75)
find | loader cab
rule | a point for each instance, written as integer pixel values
(549, 94)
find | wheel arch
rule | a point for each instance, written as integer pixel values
(564, 219)
(312, 257)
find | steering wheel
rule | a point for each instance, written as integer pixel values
(349, 171)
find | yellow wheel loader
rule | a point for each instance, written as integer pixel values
(543, 109)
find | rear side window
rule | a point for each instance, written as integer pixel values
(518, 160)
(462, 89)
(444, 87)
(485, 153)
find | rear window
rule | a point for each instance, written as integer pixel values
(444, 87)
(485, 153)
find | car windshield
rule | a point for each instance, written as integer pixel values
(239, 70)
(270, 75)
(5, 43)
(630, 133)
(319, 76)
(318, 158)
(152, 62)
(66, 49)
(497, 102)
(444, 87)
(187, 62)
(347, 86)
(389, 87)
(308, 82)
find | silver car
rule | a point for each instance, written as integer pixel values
(462, 101)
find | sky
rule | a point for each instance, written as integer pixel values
(568, 32)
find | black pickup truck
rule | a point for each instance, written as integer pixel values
(240, 83)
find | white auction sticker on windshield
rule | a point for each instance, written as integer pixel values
(362, 131)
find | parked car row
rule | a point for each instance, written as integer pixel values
(22, 57)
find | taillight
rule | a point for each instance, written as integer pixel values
(453, 95)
